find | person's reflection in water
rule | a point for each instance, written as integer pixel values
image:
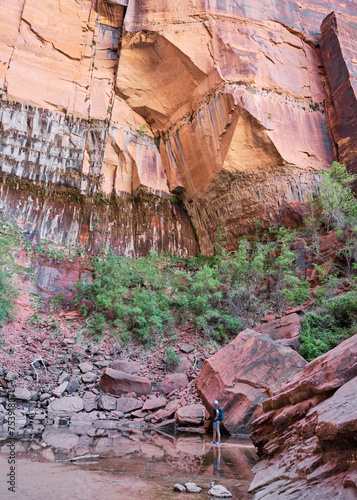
(217, 471)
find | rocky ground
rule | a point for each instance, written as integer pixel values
(69, 366)
(71, 394)
(64, 408)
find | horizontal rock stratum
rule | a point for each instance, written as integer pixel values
(306, 437)
(108, 107)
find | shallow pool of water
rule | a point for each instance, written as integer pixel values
(145, 463)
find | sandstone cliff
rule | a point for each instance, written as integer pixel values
(109, 105)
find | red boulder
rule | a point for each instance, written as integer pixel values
(242, 376)
(118, 382)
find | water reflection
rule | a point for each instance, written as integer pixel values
(217, 454)
(152, 453)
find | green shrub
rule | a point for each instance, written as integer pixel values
(7, 295)
(171, 358)
(339, 206)
(10, 238)
(324, 331)
(131, 293)
(343, 309)
(315, 338)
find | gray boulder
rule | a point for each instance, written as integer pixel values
(65, 407)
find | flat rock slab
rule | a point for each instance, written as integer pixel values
(125, 366)
(127, 405)
(106, 402)
(85, 367)
(167, 412)
(338, 414)
(154, 403)
(73, 385)
(60, 389)
(89, 377)
(90, 401)
(186, 348)
(23, 394)
(65, 407)
(190, 415)
(287, 327)
(173, 382)
(84, 417)
(118, 382)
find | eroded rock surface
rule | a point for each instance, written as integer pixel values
(307, 435)
(285, 330)
(242, 375)
(223, 86)
(339, 53)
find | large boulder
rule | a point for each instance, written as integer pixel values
(125, 366)
(118, 382)
(308, 433)
(243, 375)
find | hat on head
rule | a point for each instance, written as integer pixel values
(215, 402)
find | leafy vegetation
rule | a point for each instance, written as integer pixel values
(171, 358)
(219, 295)
(145, 298)
(8, 289)
(334, 324)
(150, 297)
(339, 207)
(336, 319)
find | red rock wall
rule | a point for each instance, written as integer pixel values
(339, 54)
(234, 92)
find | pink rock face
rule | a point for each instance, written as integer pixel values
(338, 415)
(224, 87)
(241, 375)
(339, 366)
(306, 436)
(339, 53)
(116, 382)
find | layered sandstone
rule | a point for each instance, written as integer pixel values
(234, 93)
(307, 435)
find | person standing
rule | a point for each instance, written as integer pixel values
(216, 424)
